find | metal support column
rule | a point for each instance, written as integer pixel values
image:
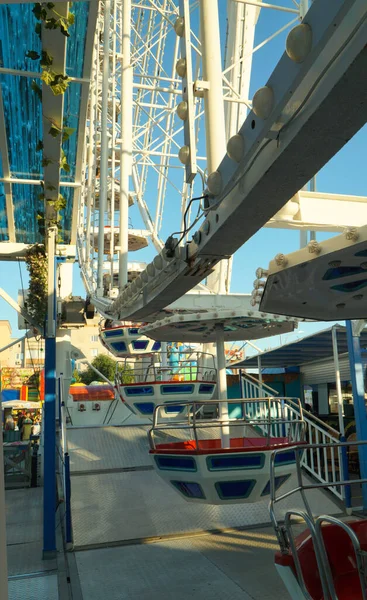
(222, 385)
(104, 148)
(126, 142)
(3, 554)
(337, 380)
(260, 375)
(356, 373)
(214, 109)
(49, 418)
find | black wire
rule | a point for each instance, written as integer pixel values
(186, 229)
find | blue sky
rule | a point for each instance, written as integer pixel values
(344, 174)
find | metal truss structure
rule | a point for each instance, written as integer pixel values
(269, 157)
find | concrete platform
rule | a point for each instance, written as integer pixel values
(236, 565)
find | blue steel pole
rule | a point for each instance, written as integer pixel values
(49, 419)
(356, 373)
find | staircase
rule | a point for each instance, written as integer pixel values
(326, 465)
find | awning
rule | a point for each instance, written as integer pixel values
(308, 349)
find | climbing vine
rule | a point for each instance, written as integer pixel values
(36, 261)
(50, 19)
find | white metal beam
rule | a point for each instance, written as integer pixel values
(6, 173)
(318, 105)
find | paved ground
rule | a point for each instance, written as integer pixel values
(30, 577)
(236, 565)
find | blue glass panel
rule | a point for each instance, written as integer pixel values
(285, 458)
(118, 346)
(177, 389)
(133, 330)
(278, 482)
(71, 119)
(145, 390)
(23, 122)
(113, 333)
(3, 218)
(176, 463)
(361, 253)
(26, 206)
(156, 346)
(338, 272)
(206, 388)
(76, 41)
(174, 409)
(146, 408)
(139, 344)
(190, 489)
(17, 36)
(352, 286)
(231, 490)
(235, 461)
(66, 214)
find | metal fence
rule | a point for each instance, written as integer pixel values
(63, 466)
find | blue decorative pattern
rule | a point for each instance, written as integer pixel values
(118, 346)
(235, 461)
(190, 489)
(278, 482)
(285, 458)
(177, 389)
(231, 490)
(156, 346)
(139, 344)
(146, 408)
(113, 333)
(146, 390)
(175, 463)
(206, 388)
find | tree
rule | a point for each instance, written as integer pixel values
(107, 366)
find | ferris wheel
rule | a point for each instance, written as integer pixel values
(172, 84)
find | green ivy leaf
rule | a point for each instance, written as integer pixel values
(46, 161)
(51, 23)
(64, 162)
(67, 132)
(50, 5)
(39, 12)
(36, 88)
(50, 187)
(71, 18)
(59, 84)
(39, 146)
(47, 76)
(64, 26)
(46, 60)
(38, 29)
(54, 130)
(32, 54)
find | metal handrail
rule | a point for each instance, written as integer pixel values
(324, 556)
(253, 379)
(323, 567)
(267, 422)
(321, 424)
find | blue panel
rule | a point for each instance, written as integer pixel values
(146, 408)
(67, 213)
(156, 346)
(176, 463)
(145, 390)
(70, 119)
(76, 41)
(352, 286)
(177, 389)
(3, 218)
(278, 483)
(339, 272)
(133, 330)
(113, 333)
(231, 462)
(231, 490)
(190, 489)
(361, 253)
(26, 206)
(206, 388)
(17, 36)
(118, 346)
(285, 458)
(140, 344)
(174, 409)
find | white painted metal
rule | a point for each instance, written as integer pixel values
(222, 385)
(3, 549)
(51, 297)
(126, 141)
(337, 380)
